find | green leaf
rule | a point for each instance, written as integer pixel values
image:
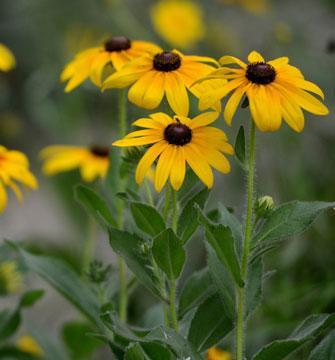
(290, 219)
(325, 350)
(31, 297)
(188, 219)
(134, 251)
(76, 338)
(221, 239)
(209, 324)
(198, 287)
(254, 286)
(147, 218)
(61, 277)
(135, 352)
(240, 147)
(169, 253)
(157, 351)
(94, 205)
(223, 282)
(307, 330)
(10, 320)
(11, 353)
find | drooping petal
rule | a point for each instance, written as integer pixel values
(233, 103)
(176, 94)
(147, 160)
(165, 162)
(178, 169)
(292, 114)
(3, 198)
(98, 66)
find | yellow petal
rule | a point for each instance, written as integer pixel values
(98, 66)
(225, 60)
(279, 62)
(16, 191)
(162, 118)
(233, 103)
(146, 132)
(309, 86)
(254, 56)
(177, 173)
(3, 198)
(148, 123)
(204, 119)
(146, 140)
(147, 160)
(176, 94)
(7, 59)
(119, 59)
(148, 91)
(292, 114)
(165, 162)
(199, 164)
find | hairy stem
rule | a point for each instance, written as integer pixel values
(240, 325)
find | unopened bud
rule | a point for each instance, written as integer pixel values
(264, 206)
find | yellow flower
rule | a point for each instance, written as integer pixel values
(93, 162)
(254, 6)
(14, 167)
(7, 59)
(29, 345)
(217, 354)
(90, 63)
(10, 278)
(166, 72)
(179, 22)
(275, 91)
(177, 141)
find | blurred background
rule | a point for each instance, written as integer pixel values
(35, 112)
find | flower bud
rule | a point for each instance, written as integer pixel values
(264, 206)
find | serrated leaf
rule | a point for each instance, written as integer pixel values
(209, 324)
(221, 239)
(325, 350)
(188, 220)
(94, 205)
(147, 218)
(240, 146)
(309, 328)
(169, 253)
(290, 219)
(131, 248)
(197, 288)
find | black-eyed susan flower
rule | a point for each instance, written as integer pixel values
(164, 73)
(7, 59)
(178, 22)
(176, 142)
(92, 161)
(29, 345)
(14, 167)
(218, 354)
(275, 90)
(10, 278)
(91, 63)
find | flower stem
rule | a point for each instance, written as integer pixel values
(89, 245)
(173, 311)
(240, 325)
(123, 294)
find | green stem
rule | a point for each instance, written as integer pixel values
(174, 209)
(166, 203)
(123, 294)
(89, 245)
(174, 318)
(148, 192)
(240, 325)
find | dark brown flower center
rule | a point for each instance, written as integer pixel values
(261, 73)
(167, 61)
(178, 134)
(117, 43)
(100, 151)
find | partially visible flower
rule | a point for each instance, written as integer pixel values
(30, 346)
(92, 161)
(91, 63)
(218, 354)
(14, 167)
(253, 6)
(275, 91)
(10, 278)
(178, 22)
(7, 59)
(177, 141)
(167, 73)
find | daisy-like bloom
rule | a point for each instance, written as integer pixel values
(29, 345)
(14, 167)
(177, 141)
(93, 162)
(10, 278)
(180, 23)
(218, 354)
(275, 91)
(91, 63)
(164, 73)
(7, 59)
